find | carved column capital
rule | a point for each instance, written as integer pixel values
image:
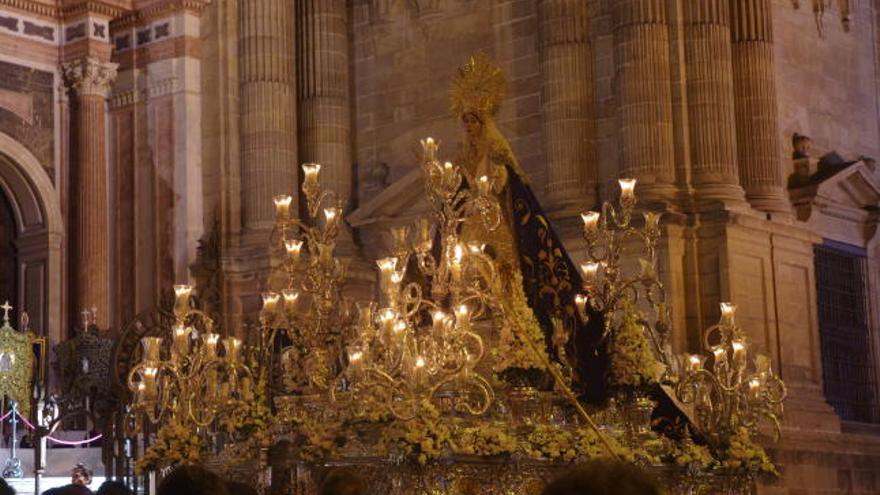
(90, 76)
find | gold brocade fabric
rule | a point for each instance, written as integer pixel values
(487, 159)
(17, 367)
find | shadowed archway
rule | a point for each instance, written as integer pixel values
(35, 207)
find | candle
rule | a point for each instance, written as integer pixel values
(290, 297)
(232, 346)
(591, 222)
(425, 240)
(429, 146)
(310, 173)
(270, 303)
(180, 340)
(439, 319)
(182, 293)
(210, 344)
(355, 356)
(591, 272)
(694, 362)
(151, 347)
(448, 174)
(365, 314)
(331, 216)
(282, 206)
(294, 249)
(483, 185)
(720, 355)
(457, 257)
(463, 317)
(754, 388)
(140, 393)
(728, 312)
(386, 319)
(627, 191)
(400, 238)
(476, 247)
(150, 386)
(399, 326)
(387, 265)
(420, 362)
(652, 223)
(580, 301)
(739, 351)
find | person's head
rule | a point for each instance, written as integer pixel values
(81, 475)
(192, 480)
(342, 482)
(5, 489)
(111, 487)
(604, 478)
(473, 125)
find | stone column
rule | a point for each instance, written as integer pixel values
(569, 120)
(324, 113)
(91, 80)
(644, 96)
(757, 127)
(268, 109)
(709, 85)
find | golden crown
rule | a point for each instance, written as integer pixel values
(479, 87)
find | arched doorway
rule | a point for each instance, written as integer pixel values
(36, 211)
(8, 256)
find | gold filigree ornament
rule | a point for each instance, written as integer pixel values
(17, 361)
(479, 87)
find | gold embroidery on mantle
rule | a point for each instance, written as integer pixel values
(17, 362)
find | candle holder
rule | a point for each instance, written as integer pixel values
(306, 302)
(420, 344)
(726, 392)
(610, 235)
(184, 385)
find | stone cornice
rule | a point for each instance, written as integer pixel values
(99, 7)
(68, 11)
(155, 11)
(32, 7)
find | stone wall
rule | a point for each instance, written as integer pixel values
(27, 110)
(827, 84)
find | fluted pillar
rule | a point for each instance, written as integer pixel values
(644, 96)
(268, 108)
(324, 113)
(91, 79)
(711, 119)
(757, 127)
(569, 129)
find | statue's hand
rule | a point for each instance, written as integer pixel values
(499, 178)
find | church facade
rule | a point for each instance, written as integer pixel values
(142, 141)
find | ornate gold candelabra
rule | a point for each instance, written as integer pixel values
(421, 344)
(726, 392)
(309, 307)
(189, 380)
(609, 234)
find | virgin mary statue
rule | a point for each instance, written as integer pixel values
(539, 279)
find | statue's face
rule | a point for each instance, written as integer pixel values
(473, 126)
